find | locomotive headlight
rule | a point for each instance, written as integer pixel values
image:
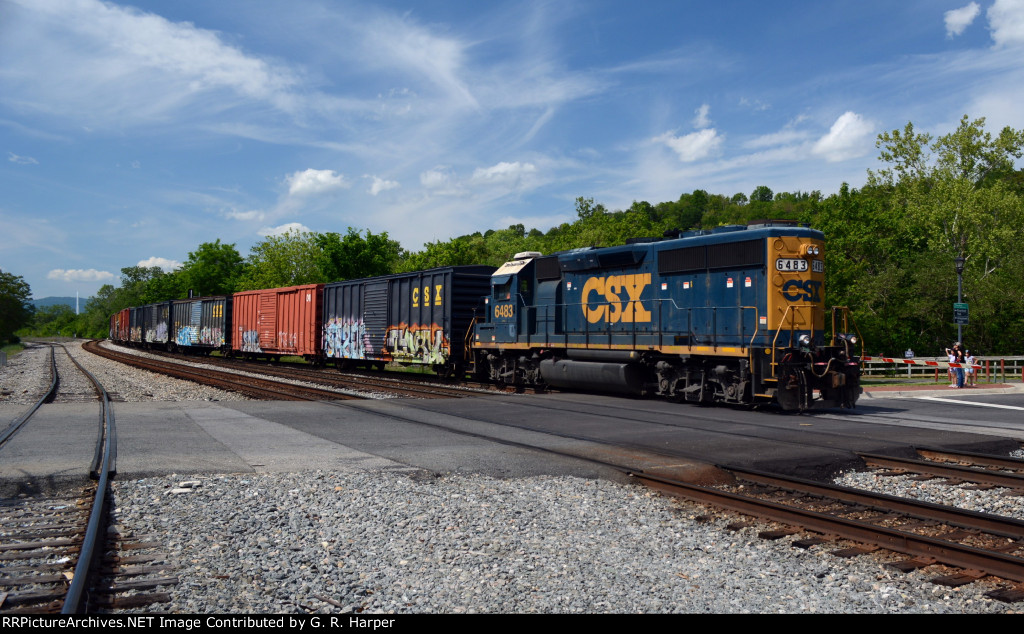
(804, 341)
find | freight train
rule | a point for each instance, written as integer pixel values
(731, 315)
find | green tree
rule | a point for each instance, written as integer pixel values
(353, 256)
(283, 260)
(15, 309)
(212, 269)
(959, 190)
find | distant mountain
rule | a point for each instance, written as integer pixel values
(53, 301)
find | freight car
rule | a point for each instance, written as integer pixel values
(201, 324)
(278, 321)
(419, 318)
(731, 315)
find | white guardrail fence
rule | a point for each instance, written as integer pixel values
(992, 369)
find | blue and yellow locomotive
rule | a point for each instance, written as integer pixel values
(731, 315)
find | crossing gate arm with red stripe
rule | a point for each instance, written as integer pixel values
(934, 364)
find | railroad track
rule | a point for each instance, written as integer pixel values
(983, 470)
(56, 553)
(251, 386)
(408, 385)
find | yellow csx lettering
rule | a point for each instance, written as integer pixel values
(504, 310)
(610, 288)
(426, 296)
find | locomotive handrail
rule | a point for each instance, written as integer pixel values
(589, 332)
(792, 329)
(847, 320)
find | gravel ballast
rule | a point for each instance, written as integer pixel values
(406, 543)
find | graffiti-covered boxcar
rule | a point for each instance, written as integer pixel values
(201, 324)
(277, 321)
(154, 324)
(412, 318)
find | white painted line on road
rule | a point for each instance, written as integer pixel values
(953, 400)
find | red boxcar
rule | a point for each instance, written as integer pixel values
(119, 325)
(278, 321)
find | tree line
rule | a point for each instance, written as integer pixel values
(890, 245)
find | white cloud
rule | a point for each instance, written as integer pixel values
(1006, 20)
(849, 137)
(79, 275)
(959, 19)
(314, 181)
(435, 179)
(381, 185)
(782, 137)
(396, 43)
(694, 146)
(246, 215)
(701, 121)
(280, 230)
(440, 182)
(163, 263)
(110, 64)
(504, 172)
(21, 160)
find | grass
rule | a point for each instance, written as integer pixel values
(12, 349)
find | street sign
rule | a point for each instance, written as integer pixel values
(960, 314)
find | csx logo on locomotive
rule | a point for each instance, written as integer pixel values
(611, 288)
(802, 290)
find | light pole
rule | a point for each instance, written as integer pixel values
(959, 262)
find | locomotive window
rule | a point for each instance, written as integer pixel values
(740, 255)
(503, 291)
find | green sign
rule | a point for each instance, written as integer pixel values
(960, 314)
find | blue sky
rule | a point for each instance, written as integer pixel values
(133, 132)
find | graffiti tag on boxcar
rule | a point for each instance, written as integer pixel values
(418, 344)
(250, 341)
(346, 338)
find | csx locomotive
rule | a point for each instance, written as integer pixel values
(731, 315)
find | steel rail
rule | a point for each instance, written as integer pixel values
(951, 553)
(976, 458)
(250, 386)
(17, 423)
(993, 524)
(103, 467)
(1014, 481)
